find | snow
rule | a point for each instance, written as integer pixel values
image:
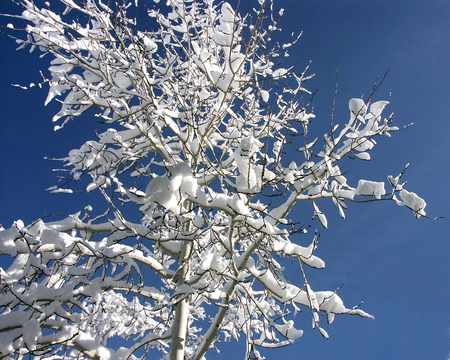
(377, 107)
(224, 34)
(31, 333)
(60, 191)
(7, 243)
(182, 178)
(122, 80)
(14, 319)
(357, 108)
(264, 95)
(280, 73)
(414, 202)
(320, 215)
(158, 192)
(304, 254)
(290, 331)
(363, 156)
(170, 192)
(149, 44)
(366, 187)
(331, 303)
(243, 156)
(93, 348)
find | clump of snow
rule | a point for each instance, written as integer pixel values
(358, 108)
(264, 95)
(183, 179)
(377, 107)
(320, 215)
(31, 332)
(170, 193)
(93, 348)
(55, 190)
(122, 80)
(395, 182)
(248, 147)
(158, 191)
(150, 45)
(280, 73)
(414, 202)
(224, 34)
(290, 331)
(366, 187)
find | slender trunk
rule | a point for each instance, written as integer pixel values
(215, 326)
(231, 286)
(179, 330)
(180, 323)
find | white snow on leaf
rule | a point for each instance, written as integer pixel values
(377, 107)
(227, 12)
(248, 147)
(277, 147)
(157, 185)
(20, 86)
(290, 331)
(323, 332)
(149, 44)
(414, 202)
(223, 35)
(363, 156)
(320, 215)
(264, 95)
(294, 333)
(357, 108)
(62, 191)
(183, 179)
(238, 205)
(366, 187)
(279, 73)
(184, 289)
(308, 146)
(158, 191)
(62, 68)
(92, 347)
(122, 80)
(305, 254)
(312, 298)
(395, 182)
(31, 332)
(331, 303)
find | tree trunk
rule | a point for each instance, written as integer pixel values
(215, 326)
(180, 323)
(179, 330)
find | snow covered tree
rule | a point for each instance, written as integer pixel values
(199, 117)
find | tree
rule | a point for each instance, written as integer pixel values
(199, 117)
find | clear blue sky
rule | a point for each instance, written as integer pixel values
(397, 265)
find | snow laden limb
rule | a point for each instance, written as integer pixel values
(194, 145)
(324, 178)
(51, 297)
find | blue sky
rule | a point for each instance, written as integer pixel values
(397, 265)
